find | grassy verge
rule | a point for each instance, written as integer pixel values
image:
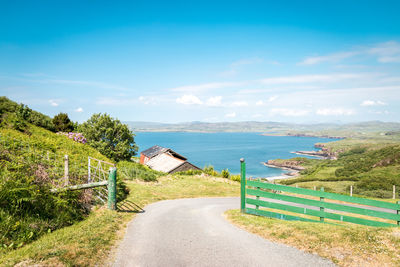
(88, 243)
(350, 245)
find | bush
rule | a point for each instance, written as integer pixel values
(235, 177)
(210, 170)
(131, 170)
(225, 173)
(190, 172)
(62, 123)
(109, 136)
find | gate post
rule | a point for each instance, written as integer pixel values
(112, 189)
(242, 185)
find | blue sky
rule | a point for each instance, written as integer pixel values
(176, 61)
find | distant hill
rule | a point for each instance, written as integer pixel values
(367, 129)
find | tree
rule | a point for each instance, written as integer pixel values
(109, 136)
(62, 123)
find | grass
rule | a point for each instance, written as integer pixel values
(350, 245)
(340, 187)
(89, 242)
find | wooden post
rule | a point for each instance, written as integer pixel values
(315, 188)
(351, 190)
(297, 186)
(322, 199)
(242, 185)
(89, 178)
(258, 197)
(394, 191)
(66, 170)
(112, 189)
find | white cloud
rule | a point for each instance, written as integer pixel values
(310, 78)
(205, 86)
(240, 104)
(367, 103)
(329, 58)
(189, 100)
(259, 103)
(258, 115)
(289, 112)
(79, 109)
(53, 103)
(387, 52)
(230, 115)
(214, 101)
(335, 112)
(147, 100)
(272, 98)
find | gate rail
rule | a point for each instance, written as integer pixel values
(300, 205)
(102, 181)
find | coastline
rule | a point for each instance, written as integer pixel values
(292, 172)
(310, 153)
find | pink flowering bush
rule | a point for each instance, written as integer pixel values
(77, 137)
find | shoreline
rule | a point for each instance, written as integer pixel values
(292, 172)
(310, 153)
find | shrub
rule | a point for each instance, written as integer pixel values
(77, 137)
(109, 136)
(62, 123)
(189, 172)
(210, 170)
(235, 177)
(132, 170)
(225, 173)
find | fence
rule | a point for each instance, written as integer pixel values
(252, 191)
(67, 173)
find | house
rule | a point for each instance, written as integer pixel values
(165, 160)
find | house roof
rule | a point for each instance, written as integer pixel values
(164, 162)
(157, 150)
(154, 151)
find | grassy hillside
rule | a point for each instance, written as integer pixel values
(371, 167)
(30, 165)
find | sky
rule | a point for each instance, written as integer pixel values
(211, 61)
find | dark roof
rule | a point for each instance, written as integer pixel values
(154, 151)
(157, 150)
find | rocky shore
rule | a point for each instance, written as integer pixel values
(293, 167)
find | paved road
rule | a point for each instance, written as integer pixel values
(193, 232)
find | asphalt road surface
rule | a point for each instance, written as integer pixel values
(193, 232)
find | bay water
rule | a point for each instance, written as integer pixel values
(224, 150)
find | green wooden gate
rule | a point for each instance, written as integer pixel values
(320, 204)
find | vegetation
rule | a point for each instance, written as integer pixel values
(27, 207)
(89, 242)
(16, 116)
(31, 163)
(129, 170)
(109, 136)
(372, 170)
(62, 123)
(362, 130)
(353, 245)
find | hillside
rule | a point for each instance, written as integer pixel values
(371, 168)
(32, 163)
(360, 130)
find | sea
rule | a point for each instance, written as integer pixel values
(224, 150)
